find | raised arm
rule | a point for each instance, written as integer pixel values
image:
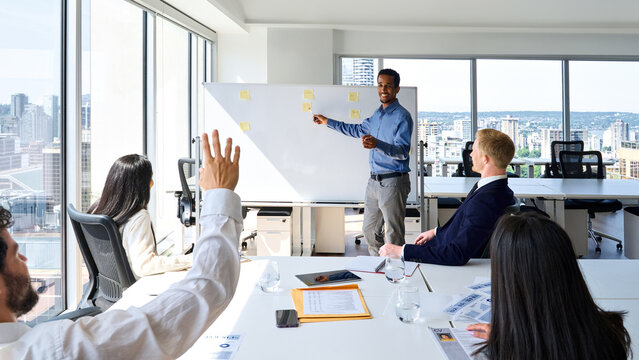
(169, 325)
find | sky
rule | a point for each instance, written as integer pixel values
(30, 62)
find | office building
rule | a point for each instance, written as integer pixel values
(616, 133)
(510, 126)
(463, 128)
(364, 72)
(18, 103)
(51, 175)
(629, 160)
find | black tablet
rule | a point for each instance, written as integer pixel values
(328, 277)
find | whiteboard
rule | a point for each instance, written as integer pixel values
(285, 156)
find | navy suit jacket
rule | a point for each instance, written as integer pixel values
(466, 233)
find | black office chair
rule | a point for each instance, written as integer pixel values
(588, 165)
(101, 246)
(468, 164)
(553, 170)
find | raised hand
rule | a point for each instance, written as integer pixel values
(219, 171)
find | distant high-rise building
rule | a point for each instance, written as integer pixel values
(463, 128)
(364, 72)
(347, 71)
(86, 111)
(619, 131)
(426, 129)
(18, 103)
(10, 158)
(52, 175)
(52, 109)
(547, 137)
(629, 159)
(510, 127)
(35, 125)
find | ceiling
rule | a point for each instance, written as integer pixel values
(538, 15)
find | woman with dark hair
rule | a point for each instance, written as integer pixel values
(126, 194)
(541, 306)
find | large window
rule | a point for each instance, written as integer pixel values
(443, 103)
(112, 102)
(522, 98)
(30, 147)
(604, 103)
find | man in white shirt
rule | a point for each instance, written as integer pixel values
(164, 328)
(467, 232)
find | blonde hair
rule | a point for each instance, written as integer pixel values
(497, 145)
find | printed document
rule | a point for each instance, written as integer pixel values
(332, 302)
(455, 344)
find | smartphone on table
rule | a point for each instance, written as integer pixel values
(286, 318)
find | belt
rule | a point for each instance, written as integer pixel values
(380, 177)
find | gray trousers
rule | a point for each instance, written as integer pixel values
(385, 203)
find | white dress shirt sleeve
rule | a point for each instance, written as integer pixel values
(165, 327)
(139, 243)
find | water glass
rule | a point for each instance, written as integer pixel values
(270, 278)
(407, 307)
(394, 269)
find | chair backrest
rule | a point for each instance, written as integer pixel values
(555, 148)
(101, 246)
(468, 164)
(469, 145)
(581, 164)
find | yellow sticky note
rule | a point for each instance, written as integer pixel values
(245, 125)
(354, 114)
(308, 94)
(245, 95)
(306, 107)
(353, 96)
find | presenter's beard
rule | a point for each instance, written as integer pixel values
(21, 297)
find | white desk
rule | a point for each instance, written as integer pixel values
(252, 313)
(460, 186)
(606, 279)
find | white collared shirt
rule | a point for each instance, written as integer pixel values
(488, 180)
(164, 328)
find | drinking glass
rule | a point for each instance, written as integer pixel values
(270, 278)
(407, 307)
(394, 268)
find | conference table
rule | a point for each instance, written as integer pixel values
(251, 313)
(549, 195)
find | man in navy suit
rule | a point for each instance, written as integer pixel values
(466, 233)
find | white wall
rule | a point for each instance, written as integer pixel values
(241, 58)
(300, 56)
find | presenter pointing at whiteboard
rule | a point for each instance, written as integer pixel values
(387, 135)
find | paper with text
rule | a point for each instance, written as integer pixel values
(332, 302)
(455, 344)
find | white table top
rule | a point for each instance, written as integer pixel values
(540, 187)
(460, 186)
(613, 284)
(611, 279)
(252, 314)
(593, 188)
(606, 279)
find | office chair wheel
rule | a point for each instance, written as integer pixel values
(244, 245)
(598, 250)
(619, 247)
(358, 241)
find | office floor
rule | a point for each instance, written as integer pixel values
(607, 223)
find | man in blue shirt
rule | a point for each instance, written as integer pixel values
(387, 134)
